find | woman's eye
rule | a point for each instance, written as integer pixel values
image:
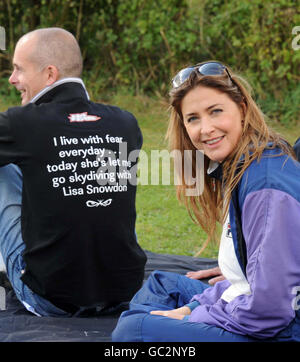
(216, 111)
(191, 119)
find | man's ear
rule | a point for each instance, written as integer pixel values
(52, 74)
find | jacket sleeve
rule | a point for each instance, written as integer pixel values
(271, 227)
(8, 151)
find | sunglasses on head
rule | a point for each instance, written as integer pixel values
(208, 68)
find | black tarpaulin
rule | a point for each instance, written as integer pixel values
(19, 325)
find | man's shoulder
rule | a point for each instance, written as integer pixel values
(32, 112)
(19, 110)
(114, 114)
(113, 110)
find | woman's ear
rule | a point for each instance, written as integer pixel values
(243, 109)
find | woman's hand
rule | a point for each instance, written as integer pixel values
(201, 274)
(178, 313)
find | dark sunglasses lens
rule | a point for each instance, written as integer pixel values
(182, 76)
(212, 68)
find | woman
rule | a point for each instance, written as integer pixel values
(251, 186)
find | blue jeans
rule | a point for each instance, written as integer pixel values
(12, 244)
(165, 291)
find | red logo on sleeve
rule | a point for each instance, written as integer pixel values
(82, 117)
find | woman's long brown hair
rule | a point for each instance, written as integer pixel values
(213, 204)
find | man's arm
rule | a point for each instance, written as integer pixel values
(7, 142)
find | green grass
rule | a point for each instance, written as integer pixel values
(163, 225)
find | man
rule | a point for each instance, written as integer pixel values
(67, 218)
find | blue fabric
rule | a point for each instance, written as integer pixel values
(12, 245)
(193, 305)
(166, 291)
(278, 176)
(280, 173)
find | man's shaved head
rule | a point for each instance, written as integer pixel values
(55, 46)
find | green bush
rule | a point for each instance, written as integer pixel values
(140, 44)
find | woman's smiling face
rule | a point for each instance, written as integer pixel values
(213, 121)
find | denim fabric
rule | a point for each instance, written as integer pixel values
(165, 291)
(12, 244)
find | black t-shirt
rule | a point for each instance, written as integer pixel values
(78, 161)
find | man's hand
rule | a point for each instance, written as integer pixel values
(178, 313)
(201, 274)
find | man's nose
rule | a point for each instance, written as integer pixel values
(13, 79)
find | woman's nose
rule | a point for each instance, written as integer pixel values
(206, 127)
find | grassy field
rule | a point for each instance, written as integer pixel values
(163, 225)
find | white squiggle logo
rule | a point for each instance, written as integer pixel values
(104, 203)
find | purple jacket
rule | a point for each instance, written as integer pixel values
(269, 200)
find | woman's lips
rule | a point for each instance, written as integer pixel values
(213, 141)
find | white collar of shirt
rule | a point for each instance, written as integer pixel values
(57, 83)
(213, 165)
(230, 267)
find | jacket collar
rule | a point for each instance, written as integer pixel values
(215, 170)
(63, 89)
